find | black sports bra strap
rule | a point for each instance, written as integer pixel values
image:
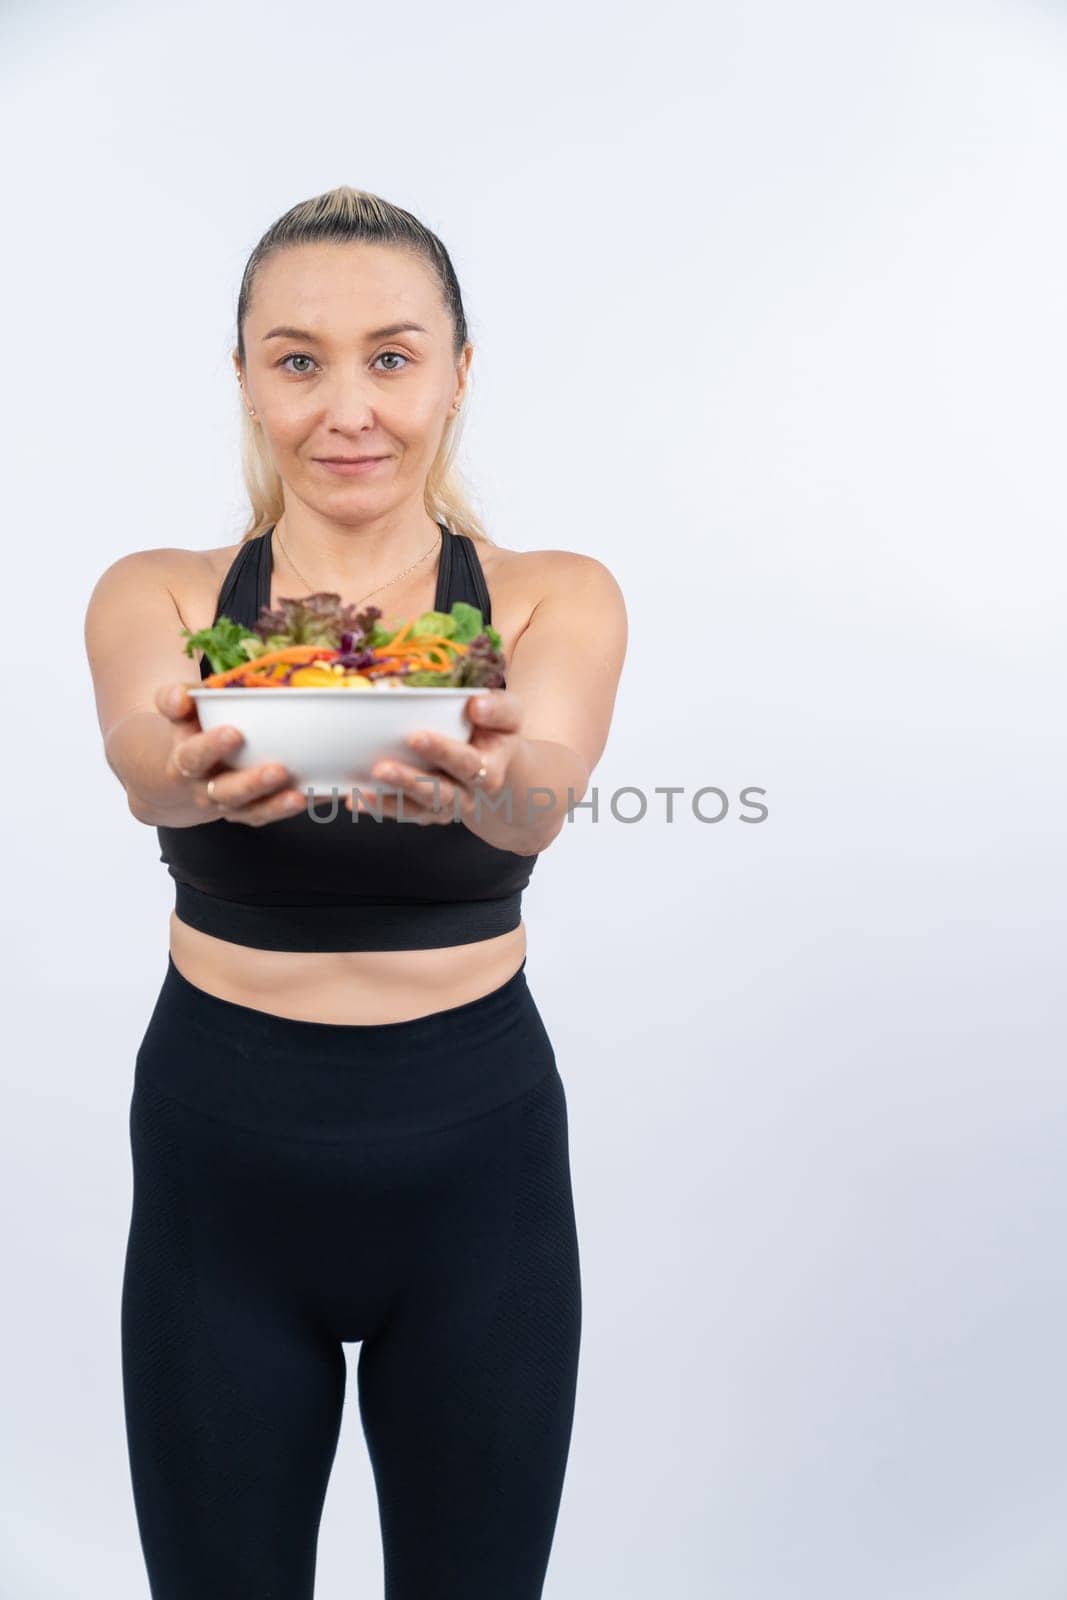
(245, 588)
(459, 574)
(475, 577)
(442, 600)
(236, 585)
(264, 569)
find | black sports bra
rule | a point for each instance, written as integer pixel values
(344, 884)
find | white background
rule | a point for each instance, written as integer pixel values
(768, 304)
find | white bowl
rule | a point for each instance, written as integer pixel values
(331, 738)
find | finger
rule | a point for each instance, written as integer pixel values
(413, 815)
(429, 790)
(370, 797)
(460, 758)
(175, 702)
(237, 791)
(495, 708)
(418, 804)
(196, 756)
(288, 802)
(367, 798)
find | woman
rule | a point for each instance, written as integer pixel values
(347, 1123)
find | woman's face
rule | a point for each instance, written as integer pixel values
(330, 373)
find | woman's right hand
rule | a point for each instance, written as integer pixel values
(255, 795)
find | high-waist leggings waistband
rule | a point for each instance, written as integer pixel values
(324, 1080)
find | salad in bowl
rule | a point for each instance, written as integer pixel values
(317, 643)
(297, 657)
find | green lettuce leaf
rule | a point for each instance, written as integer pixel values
(226, 644)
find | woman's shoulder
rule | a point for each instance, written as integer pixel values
(524, 581)
(539, 572)
(192, 577)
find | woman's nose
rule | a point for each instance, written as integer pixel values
(345, 404)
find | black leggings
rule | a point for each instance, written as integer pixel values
(302, 1185)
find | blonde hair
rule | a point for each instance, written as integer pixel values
(346, 215)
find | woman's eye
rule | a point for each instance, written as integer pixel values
(296, 355)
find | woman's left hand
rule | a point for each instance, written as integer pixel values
(496, 716)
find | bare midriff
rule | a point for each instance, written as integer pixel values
(348, 986)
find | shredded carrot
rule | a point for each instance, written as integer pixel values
(293, 652)
(427, 652)
(441, 638)
(417, 641)
(421, 666)
(251, 678)
(427, 643)
(437, 638)
(423, 659)
(399, 634)
(387, 658)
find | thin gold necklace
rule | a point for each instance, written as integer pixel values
(311, 588)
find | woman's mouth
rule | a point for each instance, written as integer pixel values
(353, 468)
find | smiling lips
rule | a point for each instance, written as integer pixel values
(353, 464)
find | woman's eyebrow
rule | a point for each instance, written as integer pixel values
(375, 333)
